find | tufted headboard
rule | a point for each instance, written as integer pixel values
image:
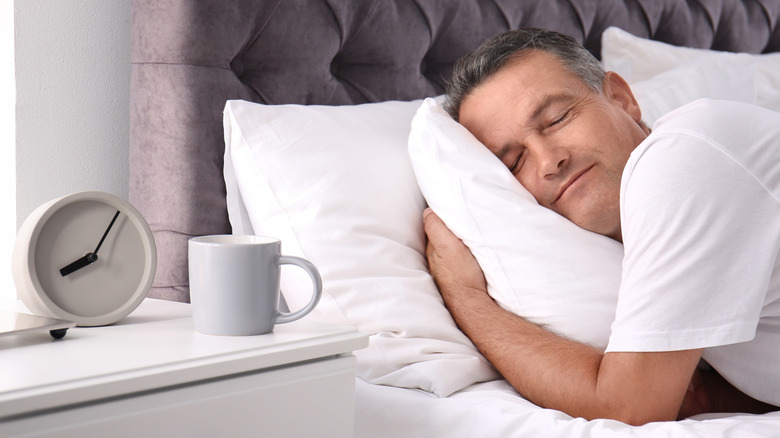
(189, 57)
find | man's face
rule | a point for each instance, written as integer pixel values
(565, 143)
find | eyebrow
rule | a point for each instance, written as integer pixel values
(548, 101)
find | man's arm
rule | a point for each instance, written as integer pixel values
(549, 370)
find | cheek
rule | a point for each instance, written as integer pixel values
(525, 179)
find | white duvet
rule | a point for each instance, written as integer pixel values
(494, 410)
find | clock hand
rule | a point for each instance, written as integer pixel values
(90, 257)
(78, 264)
(105, 234)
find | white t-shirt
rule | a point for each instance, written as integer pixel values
(701, 229)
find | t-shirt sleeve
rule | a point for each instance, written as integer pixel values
(700, 235)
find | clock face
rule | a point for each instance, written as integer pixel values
(102, 286)
(90, 258)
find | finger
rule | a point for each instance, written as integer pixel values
(449, 259)
(429, 216)
(437, 234)
(442, 242)
(437, 230)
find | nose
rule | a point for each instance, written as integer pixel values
(550, 160)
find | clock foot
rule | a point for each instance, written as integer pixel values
(58, 334)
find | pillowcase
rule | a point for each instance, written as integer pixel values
(639, 59)
(335, 184)
(713, 78)
(537, 263)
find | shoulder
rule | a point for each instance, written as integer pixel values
(699, 113)
(685, 175)
(702, 142)
(672, 163)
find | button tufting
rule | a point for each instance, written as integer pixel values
(237, 66)
(334, 68)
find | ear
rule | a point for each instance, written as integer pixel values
(617, 90)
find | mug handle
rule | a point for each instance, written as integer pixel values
(316, 282)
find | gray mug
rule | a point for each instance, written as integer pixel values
(234, 284)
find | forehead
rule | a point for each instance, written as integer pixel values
(518, 90)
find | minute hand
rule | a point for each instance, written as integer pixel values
(97, 248)
(90, 257)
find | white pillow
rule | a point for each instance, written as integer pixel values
(638, 59)
(713, 78)
(336, 185)
(537, 264)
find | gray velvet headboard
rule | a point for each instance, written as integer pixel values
(190, 56)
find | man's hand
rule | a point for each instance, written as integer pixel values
(449, 260)
(551, 371)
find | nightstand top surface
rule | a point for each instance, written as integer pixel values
(154, 347)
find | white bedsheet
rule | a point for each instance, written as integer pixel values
(494, 410)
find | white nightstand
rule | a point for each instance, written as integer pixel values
(152, 375)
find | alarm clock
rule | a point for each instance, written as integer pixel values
(88, 257)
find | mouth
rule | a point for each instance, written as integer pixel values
(565, 186)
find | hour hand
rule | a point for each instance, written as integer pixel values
(78, 264)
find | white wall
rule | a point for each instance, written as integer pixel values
(72, 88)
(7, 150)
(72, 65)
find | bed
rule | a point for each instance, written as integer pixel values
(292, 118)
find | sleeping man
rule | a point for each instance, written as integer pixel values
(695, 203)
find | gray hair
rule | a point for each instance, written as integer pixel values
(475, 68)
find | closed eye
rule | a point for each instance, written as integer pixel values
(560, 119)
(515, 167)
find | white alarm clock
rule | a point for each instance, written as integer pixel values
(87, 257)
